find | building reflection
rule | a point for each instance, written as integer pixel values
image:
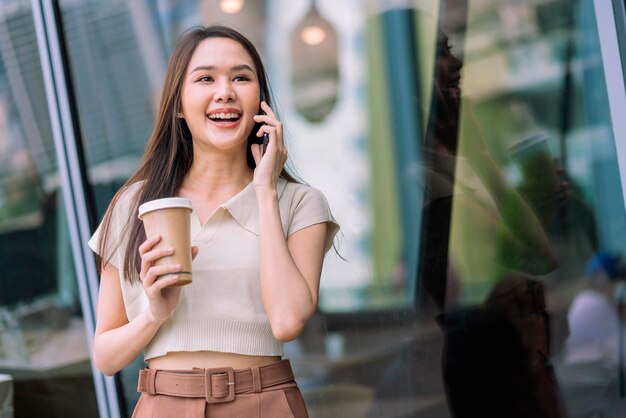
(470, 214)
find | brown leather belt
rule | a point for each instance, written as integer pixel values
(216, 385)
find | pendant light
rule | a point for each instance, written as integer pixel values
(314, 64)
(231, 7)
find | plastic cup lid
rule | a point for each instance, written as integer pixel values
(166, 203)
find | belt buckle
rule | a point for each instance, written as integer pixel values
(209, 388)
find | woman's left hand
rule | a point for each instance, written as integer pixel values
(270, 164)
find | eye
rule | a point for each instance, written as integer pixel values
(205, 78)
(241, 78)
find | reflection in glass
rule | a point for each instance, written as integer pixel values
(247, 16)
(231, 6)
(521, 197)
(511, 226)
(527, 200)
(42, 335)
(314, 66)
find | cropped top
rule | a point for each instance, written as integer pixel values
(222, 309)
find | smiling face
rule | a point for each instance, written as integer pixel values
(220, 94)
(449, 70)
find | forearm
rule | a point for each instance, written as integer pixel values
(117, 348)
(288, 300)
(521, 224)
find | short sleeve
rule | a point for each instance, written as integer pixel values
(119, 218)
(310, 208)
(94, 244)
(112, 253)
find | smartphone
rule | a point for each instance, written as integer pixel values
(266, 136)
(266, 139)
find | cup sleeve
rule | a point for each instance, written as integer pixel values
(313, 208)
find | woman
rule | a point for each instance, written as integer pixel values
(258, 237)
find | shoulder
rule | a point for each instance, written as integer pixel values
(114, 225)
(307, 206)
(124, 204)
(126, 197)
(298, 193)
(304, 199)
(130, 191)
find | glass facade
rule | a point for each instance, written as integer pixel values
(43, 340)
(468, 149)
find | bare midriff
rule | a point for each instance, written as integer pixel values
(180, 360)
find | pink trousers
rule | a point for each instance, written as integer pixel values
(255, 392)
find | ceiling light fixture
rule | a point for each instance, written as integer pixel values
(313, 35)
(231, 7)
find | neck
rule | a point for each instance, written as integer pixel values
(212, 175)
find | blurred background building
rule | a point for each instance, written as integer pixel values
(472, 151)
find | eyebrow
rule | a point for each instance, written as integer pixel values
(239, 67)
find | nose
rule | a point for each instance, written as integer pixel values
(224, 91)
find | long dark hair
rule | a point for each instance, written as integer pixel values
(169, 153)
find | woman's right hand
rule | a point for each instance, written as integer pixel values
(162, 299)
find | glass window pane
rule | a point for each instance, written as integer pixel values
(534, 258)
(467, 152)
(43, 344)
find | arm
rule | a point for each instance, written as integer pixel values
(289, 270)
(524, 241)
(117, 341)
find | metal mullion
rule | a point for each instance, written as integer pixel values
(402, 67)
(619, 11)
(67, 153)
(608, 21)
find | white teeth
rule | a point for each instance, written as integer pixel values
(224, 116)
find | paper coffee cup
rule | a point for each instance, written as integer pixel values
(170, 218)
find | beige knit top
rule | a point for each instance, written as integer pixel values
(221, 310)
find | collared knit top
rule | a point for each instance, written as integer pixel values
(222, 309)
